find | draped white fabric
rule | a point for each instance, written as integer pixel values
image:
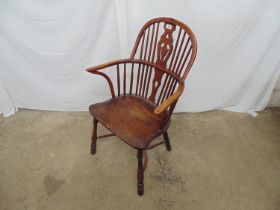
(6, 105)
(46, 45)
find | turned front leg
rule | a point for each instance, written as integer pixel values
(93, 137)
(140, 173)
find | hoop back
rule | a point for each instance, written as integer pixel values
(170, 44)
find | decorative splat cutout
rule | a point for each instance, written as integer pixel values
(164, 50)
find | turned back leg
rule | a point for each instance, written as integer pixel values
(94, 137)
(166, 140)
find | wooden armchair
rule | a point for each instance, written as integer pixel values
(145, 88)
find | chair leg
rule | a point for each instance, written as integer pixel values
(166, 140)
(94, 137)
(140, 173)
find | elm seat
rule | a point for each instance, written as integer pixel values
(131, 118)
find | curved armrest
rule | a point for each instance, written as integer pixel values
(123, 61)
(165, 104)
(108, 64)
(170, 100)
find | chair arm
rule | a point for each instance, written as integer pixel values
(95, 70)
(170, 100)
(108, 64)
(109, 82)
(128, 60)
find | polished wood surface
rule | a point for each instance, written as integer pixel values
(131, 118)
(145, 88)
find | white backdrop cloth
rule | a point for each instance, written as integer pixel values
(46, 45)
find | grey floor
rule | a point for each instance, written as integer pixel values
(219, 160)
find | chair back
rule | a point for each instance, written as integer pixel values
(170, 44)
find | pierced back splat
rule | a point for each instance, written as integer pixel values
(164, 50)
(169, 44)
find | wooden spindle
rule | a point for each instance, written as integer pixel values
(173, 85)
(170, 82)
(172, 88)
(143, 67)
(131, 79)
(184, 63)
(178, 71)
(149, 57)
(170, 65)
(155, 44)
(124, 79)
(175, 49)
(180, 47)
(118, 79)
(148, 46)
(152, 59)
(139, 66)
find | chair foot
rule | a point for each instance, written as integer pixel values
(140, 173)
(166, 140)
(94, 137)
(140, 189)
(92, 149)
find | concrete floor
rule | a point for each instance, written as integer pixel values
(219, 160)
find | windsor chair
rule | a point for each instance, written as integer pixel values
(147, 85)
